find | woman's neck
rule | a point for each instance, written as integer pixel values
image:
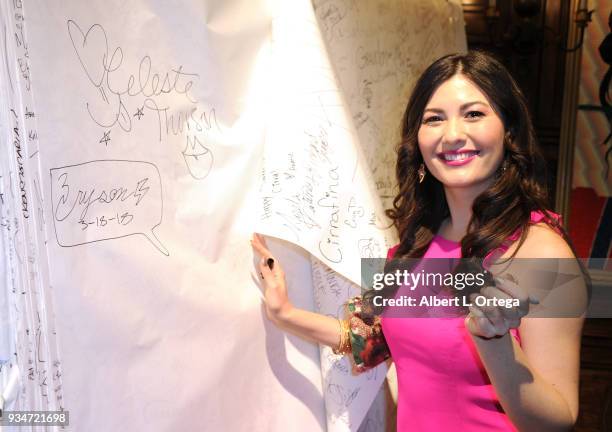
(459, 202)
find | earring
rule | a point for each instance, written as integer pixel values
(421, 172)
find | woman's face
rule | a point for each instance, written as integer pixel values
(461, 137)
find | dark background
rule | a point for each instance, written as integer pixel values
(530, 48)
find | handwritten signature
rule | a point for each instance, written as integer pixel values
(106, 71)
(92, 50)
(86, 198)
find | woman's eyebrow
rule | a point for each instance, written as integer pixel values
(461, 108)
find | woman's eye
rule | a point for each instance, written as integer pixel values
(432, 119)
(474, 114)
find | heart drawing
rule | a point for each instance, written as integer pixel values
(92, 50)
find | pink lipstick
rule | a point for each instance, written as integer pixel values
(455, 158)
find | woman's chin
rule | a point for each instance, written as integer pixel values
(454, 182)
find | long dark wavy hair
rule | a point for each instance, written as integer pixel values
(519, 186)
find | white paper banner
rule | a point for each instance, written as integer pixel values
(142, 143)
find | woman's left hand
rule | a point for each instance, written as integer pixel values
(498, 308)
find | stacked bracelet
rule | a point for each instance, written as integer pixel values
(344, 346)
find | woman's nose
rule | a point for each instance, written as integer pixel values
(454, 131)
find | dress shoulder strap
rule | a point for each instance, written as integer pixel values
(391, 252)
(536, 216)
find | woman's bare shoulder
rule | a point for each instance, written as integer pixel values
(544, 242)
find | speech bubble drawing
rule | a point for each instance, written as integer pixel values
(106, 199)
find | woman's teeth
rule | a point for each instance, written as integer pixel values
(458, 156)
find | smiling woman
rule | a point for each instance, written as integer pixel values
(461, 129)
(460, 145)
(471, 185)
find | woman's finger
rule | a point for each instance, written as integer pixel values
(261, 239)
(475, 310)
(258, 244)
(266, 262)
(265, 269)
(480, 326)
(487, 302)
(491, 312)
(262, 250)
(505, 305)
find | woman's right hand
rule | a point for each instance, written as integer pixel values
(272, 277)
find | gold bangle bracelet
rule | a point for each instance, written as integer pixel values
(337, 349)
(344, 345)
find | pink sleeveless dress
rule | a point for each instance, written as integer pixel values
(443, 385)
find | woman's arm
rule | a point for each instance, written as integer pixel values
(358, 335)
(537, 381)
(311, 326)
(536, 386)
(305, 324)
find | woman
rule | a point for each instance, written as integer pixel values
(470, 185)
